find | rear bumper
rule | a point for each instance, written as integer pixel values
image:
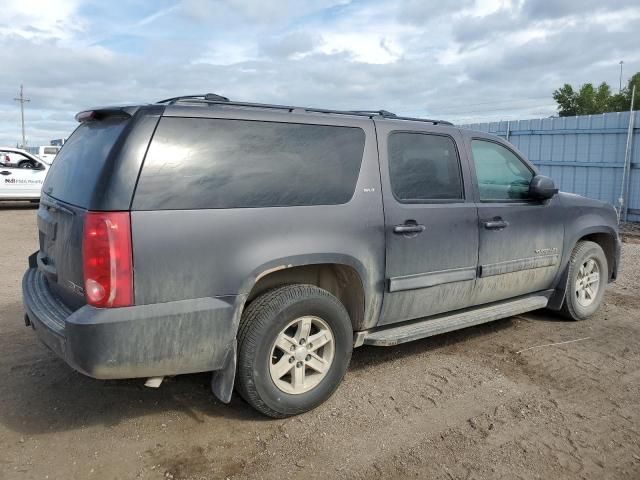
(170, 338)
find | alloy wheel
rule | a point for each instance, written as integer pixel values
(587, 282)
(301, 355)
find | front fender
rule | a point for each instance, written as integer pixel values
(582, 227)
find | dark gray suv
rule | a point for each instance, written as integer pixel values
(264, 242)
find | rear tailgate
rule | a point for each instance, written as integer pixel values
(60, 228)
(68, 192)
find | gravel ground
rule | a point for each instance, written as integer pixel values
(462, 405)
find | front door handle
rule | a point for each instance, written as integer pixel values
(495, 224)
(5, 172)
(409, 228)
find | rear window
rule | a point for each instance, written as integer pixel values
(73, 176)
(424, 167)
(197, 163)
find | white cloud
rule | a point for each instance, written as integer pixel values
(362, 47)
(260, 11)
(483, 59)
(155, 16)
(41, 18)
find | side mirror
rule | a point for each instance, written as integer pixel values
(542, 188)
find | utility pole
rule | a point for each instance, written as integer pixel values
(22, 101)
(620, 87)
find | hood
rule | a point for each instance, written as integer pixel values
(578, 200)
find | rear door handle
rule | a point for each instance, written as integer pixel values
(495, 224)
(5, 172)
(409, 228)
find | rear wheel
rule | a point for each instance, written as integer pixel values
(586, 281)
(294, 347)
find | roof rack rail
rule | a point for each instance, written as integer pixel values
(391, 115)
(382, 113)
(213, 99)
(428, 120)
(203, 96)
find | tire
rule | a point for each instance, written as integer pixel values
(267, 319)
(576, 307)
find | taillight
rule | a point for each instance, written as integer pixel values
(107, 262)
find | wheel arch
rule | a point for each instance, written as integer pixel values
(607, 242)
(343, 280)
(604, 236)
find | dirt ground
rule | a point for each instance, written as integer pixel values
(473, 404)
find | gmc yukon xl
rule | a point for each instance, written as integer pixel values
(264, 242)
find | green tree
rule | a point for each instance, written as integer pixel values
(635, 80)
(567, 100)
(619, 102)
(586, 100)
(590, 101)
(601, 98)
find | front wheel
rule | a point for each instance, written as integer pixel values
(294, 347)
(586, 281)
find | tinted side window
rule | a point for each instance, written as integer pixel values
(213, 163)
(424, 167)
(501, 175)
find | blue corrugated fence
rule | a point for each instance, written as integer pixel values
(584, 155)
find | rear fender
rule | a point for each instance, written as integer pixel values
(222, 381)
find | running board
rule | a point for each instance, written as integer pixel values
(427, 328)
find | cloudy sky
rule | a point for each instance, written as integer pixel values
(480, 60)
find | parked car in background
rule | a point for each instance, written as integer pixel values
(16, 157)
(21, 174)
(264, 242)
(45, 152)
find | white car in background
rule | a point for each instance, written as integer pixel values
(45, 152)
(21, 174)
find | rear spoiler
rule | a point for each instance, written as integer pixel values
(101, 113)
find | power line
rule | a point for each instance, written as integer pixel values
(22, 101)
(516, 100)
(509, 105)
(493, 110)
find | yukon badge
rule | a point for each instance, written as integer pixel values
(545, 251)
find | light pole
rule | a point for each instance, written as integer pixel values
(620, 87)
